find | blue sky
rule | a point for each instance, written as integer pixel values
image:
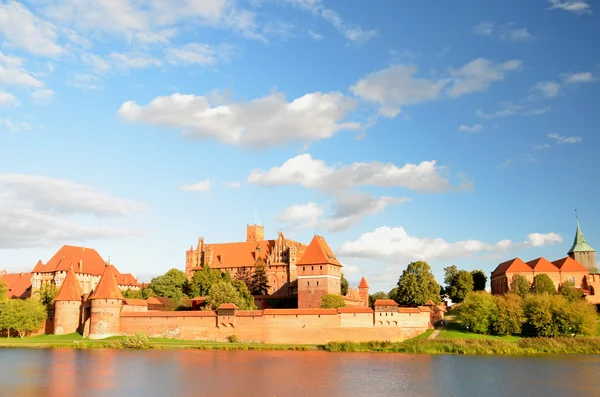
(456, 134)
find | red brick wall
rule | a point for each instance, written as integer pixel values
(66, 317)
(105, 317)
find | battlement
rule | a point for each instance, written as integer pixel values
(255, 232)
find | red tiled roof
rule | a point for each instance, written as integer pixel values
(363, 283)
(542, 265)
(408, 310)
(19, 285)
(39, 266)
(298, 311)
(513, 265)
(430, 303)
(569, 264)
(227, 306)
(317, 253)
(153, 301)
(385, 302)
(355, 310)
(424, 308)
(107, 287)
(70, 290)
(91, 262)
(136, 302)
(194, 313)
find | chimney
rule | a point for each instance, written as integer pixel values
(81, 265)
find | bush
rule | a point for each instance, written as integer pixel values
(479, 312)
(137, 341)
(554, 315)
(332, 301)
(569, 291)
(234, 339)
(510, 315)
(542, 284)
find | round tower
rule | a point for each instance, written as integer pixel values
(106, 305)
(67, 305)
(363, 291)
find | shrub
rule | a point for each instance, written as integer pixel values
(332, 301)
(519, 285)
(554, 315)
(479, 312)
(233, 339)
(510, 315)
(137, 341)
(542, 284)
(569, 291)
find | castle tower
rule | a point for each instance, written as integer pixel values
(106, 302)
(255, 232)
(581, 251)
(363, 291)
(67, 305)
(319, 274)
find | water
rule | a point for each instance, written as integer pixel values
(91, 373)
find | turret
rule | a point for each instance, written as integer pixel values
(106, 303)
(67, 305)
(255, 232)
(581, 251)
(363, 291)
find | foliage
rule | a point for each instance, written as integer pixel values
(46, 294)
(137, 341)
(245, 294)
(569, 291)
(510, 317)
(393, 294)
(3, 290)
(132, 294)
(479, 312)
(417, 285)
(22, 316)
(332, 301)
(169, 285)
(147, 292)
(553, 315)
(344, 285)
(377, 295)
(245, 275)
(224, 292)
(458, 283)
(260, 281)
(519, 286)
(203, 279)
(542, 284)
(479, 280)
(234, 339)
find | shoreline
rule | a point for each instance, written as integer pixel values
(419, 345)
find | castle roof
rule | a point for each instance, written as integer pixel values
(579, 244)
(569, 264)
(19, 285)
(107, 288)
(542, 265)
(385, 302)
(513, 265)
(70, 290)
(317, 253)
(363, 283)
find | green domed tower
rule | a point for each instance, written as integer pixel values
(582, 252)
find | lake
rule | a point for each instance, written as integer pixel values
(104, 372)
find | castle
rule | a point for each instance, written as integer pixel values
(578, 268)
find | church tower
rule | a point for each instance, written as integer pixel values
(581, 251)
(255, 232)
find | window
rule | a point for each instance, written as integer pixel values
(317, 283)
(572, 280)
(312, 268)
(303, 268)
(308, 283)
(320, 267)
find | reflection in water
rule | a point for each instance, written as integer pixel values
(65, 372)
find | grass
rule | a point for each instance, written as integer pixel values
(455, 330)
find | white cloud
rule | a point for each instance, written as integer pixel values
(470, 128)
(232, 185)
(315, 35)
(351, 32)
(22, 29)
(551, 89)
(199, 54)
(574, 6)
(580, 77)
(547, 89)
(14, 126)
(98, 64)
(7, 99)
(305, 171)
(513, 110)
(42, 96)
(542, 146)
(484, 28)
(13, 73)
(202, 186)
(396, 86)
(506, 32)
(86, 81)
(261, 123)
(565, 139)
(397, 246)
(133, 61)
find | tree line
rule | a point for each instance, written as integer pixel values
(21, 316)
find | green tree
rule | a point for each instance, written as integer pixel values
(169, 285)
(479, 280)
(46, 294)
(245, 275)
(542, 284)
(3, 290)
(343, 285)
(224, 292)
(132, 294)
(376, 296)
(511, 316)
(541, 311)
(245, 294)
(147, 292)
(393, 294)
(519, 286)
(458, 283)
(479, 312)
(332, 301)
(569, 291)
(22, 316)
(260, 281)
(417, 285)
(203, 279)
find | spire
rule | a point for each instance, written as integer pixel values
(363, 283)
(70, 290)
(318, 253)
(579, 244)
(107, 287)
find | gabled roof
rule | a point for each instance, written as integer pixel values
(579, 244)
(318, 253)
(513, 265)
(542, 265)
(385, 302)
(363, 283)
(569, 264)
(70, 290)
(71, 256)
(107, 287)
(19, 285)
